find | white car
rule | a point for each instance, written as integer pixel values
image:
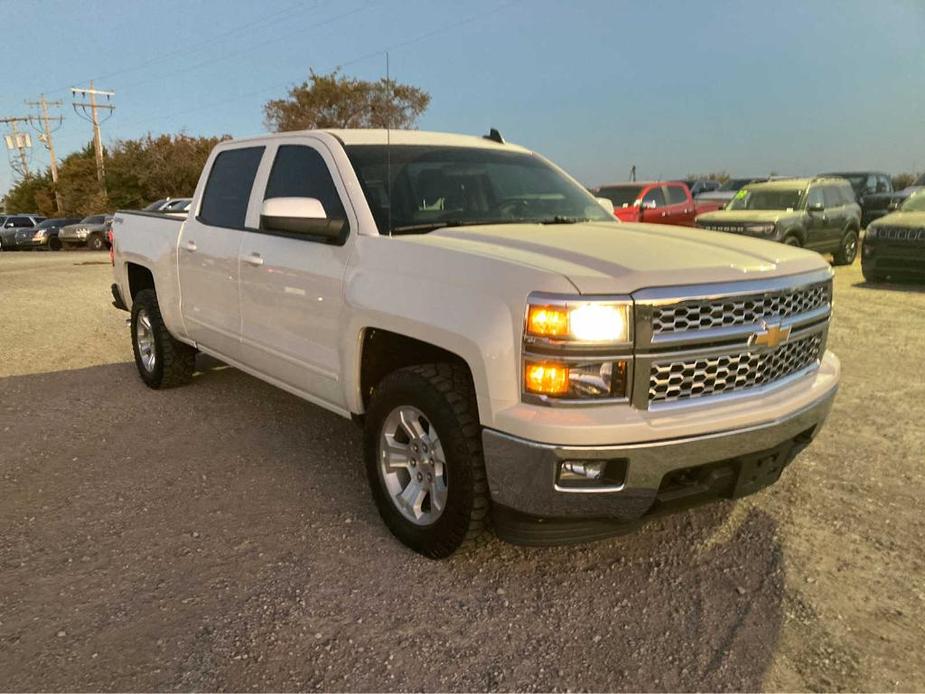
(508, 347)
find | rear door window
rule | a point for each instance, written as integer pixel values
(654, 198)
(676, 195)
(228, 190)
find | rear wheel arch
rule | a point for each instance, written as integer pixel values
(139, 278)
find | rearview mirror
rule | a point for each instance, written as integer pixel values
(299, 216)
(606, 204)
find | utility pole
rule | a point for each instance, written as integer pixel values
(20, 142)
(45, 132)
(89, 110)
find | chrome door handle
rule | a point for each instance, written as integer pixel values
(254, 259)
(191, 246)
(664, 214)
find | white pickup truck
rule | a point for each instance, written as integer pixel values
(513, 353)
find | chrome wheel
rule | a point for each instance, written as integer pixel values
(412, 465)
(144, 338)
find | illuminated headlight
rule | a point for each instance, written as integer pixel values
(583, 322)
(82, 232)
(40, 234)
(761, 228)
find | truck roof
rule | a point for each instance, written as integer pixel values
(362, 136)
(792, 183)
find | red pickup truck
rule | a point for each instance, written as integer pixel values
(656, 202)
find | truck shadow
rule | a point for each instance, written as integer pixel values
(175, 532)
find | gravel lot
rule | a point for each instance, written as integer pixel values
(221, 536)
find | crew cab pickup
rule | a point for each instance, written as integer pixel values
(510, 349)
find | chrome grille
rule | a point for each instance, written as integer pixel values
(711, 375)
(701, 314)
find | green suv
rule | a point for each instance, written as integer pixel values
(817, 213)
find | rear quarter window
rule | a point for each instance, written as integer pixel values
(228, 190)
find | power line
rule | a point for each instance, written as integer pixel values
(352, 61)
(89, 110)
(45, 137)
(201, 44)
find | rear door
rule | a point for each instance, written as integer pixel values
(679, 206)
(837, 210)
(208, 251)
(292, 284)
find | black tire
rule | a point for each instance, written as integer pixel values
(54, 244)
(847, 249)
(174, 361)
(96, 243)
(792, 240)
(445, 396)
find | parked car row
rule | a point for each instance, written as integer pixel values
(28, 232)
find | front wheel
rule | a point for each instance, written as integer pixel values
(54, 244)
(423, 451)
(848, 250)
(792, 240)
(96, 243)
(162, 361)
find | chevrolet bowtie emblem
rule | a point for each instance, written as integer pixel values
(770, 336)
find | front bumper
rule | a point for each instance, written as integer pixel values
(658, 474)
(893, 259)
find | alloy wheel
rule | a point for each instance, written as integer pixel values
(144, 337)
(412, 465)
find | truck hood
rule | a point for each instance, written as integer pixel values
(613, 258)
(745, 216)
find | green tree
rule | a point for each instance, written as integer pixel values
(903, 180)
(335, 101)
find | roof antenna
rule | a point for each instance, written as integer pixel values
(495, 136)
(388, 139)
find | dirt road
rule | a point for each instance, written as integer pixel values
(221, 536)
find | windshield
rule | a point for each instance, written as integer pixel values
(766, 200)
(435, 186)
(915, 202)
(734, 184)
(48, 223)
(620, 196)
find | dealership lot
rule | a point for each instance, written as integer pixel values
(221, 536)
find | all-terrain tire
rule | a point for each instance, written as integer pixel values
(444, 394)
(174, 361)
(847, 249)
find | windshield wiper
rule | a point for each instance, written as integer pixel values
(562, 219)
(432, 226)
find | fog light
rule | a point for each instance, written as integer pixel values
(586, 470)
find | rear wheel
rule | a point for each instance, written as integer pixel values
(54, 244)
(162, 361)
(424, 462)
(848, 250)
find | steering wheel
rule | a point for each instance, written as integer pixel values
(509, 207)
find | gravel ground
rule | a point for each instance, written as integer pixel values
(221, 536)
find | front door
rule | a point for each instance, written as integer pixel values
(208, 252)
(292, 284)
(818, 223)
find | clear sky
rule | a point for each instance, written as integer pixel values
(790, 86)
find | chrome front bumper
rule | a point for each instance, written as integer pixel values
(522, 474)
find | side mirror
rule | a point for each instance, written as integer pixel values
(606, 204)
(815, 207)
(299, 216)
